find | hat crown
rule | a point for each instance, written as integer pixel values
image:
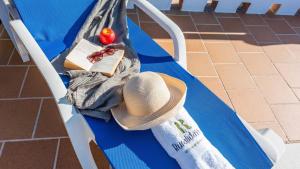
(145, 94)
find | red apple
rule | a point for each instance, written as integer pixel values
(107, 36)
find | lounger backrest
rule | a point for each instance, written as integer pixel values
(51, 20)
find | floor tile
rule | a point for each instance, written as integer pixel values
(67, 158)
(130, 11)
(295, 50)
(210, 28)
(99, 157)
(293, 20)
(267, 16)
(1, 28)
(224, 97)
(16, 60)
(167, 45)
(176, 10)
(144, 17)
(35, 85)
(155, 31)
(6, 48)
(288, 116)
(215, 85)
(4, 35)
(263, 34)
(233, 25)
(297, 92)
(235, 76)
(222, 53)
(258, 64)
(271, 125)
(184, 22)
(244, 43)
(133, 17)
(204, 18)
(199, 64)
(50, 123)
(29, 155)
(290, 39)
(279, 53)
(275, 90)
(212, 33)
(252, 19)
(280, 26)
(226, 15)
(297, 30)
(290, 72)
(17, 118)
(194, 43)
(10, 87)
(251, 105)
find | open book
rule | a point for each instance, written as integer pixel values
(77, 59)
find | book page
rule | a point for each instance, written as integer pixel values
(79, 54)
(108, 64)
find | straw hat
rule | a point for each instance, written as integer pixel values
(149, 99)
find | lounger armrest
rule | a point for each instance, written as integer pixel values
(47, 70)
(168, 25)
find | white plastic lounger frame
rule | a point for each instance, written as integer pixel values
(74, 122)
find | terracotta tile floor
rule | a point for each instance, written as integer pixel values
(251, 62)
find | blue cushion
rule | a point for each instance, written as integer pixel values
(54, 23)
(55, 29)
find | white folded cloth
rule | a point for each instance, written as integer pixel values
(183, 140)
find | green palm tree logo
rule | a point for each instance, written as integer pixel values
(182, 126)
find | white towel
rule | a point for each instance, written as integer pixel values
(183, 140)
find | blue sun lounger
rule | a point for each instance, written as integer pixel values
(43, 29)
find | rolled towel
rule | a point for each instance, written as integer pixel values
(183, 140)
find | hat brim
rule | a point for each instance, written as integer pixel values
(177, 90)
